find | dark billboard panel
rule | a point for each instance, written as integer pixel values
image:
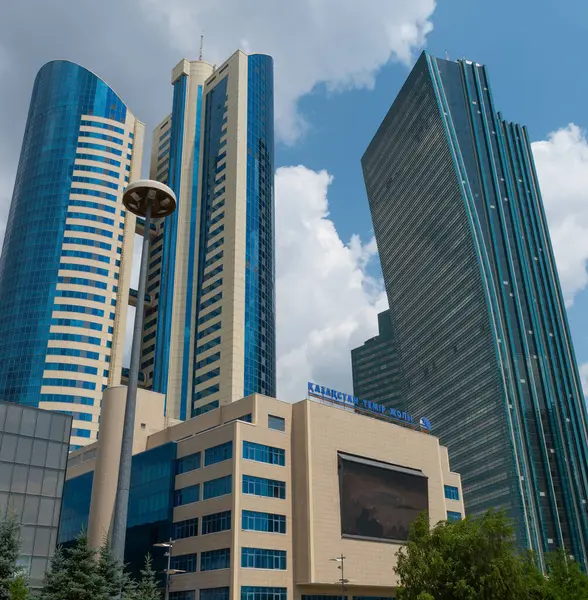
(379, 501)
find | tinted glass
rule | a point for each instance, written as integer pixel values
(19, 478)
(29, 420)
(39, 455)
(13, 418)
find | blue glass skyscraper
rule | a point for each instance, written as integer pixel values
(209, 332)
(477, 309)
(63, 270)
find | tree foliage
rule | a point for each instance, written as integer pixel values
(473, 559)
(19, 589)
(565, 580)
(147, 587)
(82, 573)
(9, 549)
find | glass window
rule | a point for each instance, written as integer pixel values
(263, 593)
(260, 558)
(217, 487)
(277, 423)
(215, 559)
(30, 511)
(260, 486)
(453, 516)
(46, 509)
(261, 521)
(57, 432)
(188, 463)
(49, 487)
(185, 529)
(39, 455)
(451, 492)
(187, 495)
(16, 503)
(8, 448)
(184, 562)
(35, 480)
(38, 568)
(43, 424)
(19, 479)
(183, 595)
(262, 453)
(216, 522)
(54, 452)
(29, 420)
(27, 537)
(13, 418)
(5, 476)
(218, 453)
(42, 538)
(24, 448)
(3, 409)
(220, 593)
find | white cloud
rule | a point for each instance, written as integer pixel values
(562, 166)
(584, 377)
(336, 42)
(326, 303)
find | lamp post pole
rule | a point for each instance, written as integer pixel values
(341, 580)
(147, 199)
(169, 571)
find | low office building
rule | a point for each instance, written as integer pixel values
(259, 496)
(33, 456)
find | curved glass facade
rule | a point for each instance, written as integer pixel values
(63, 243)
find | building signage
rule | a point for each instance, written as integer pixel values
(324, 393)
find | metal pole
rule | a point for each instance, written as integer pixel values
(167, 574)
(121, 505)
(342, 576)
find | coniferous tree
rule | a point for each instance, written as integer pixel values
(147, 588)
(110, 570)
(56, 577)
(74, 574)
(9, 549)
(19, 589)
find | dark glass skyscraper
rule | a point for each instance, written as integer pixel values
(376, 371)
(476, 303)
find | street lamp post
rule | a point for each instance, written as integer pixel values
(341, 567)
(169, 571)
(148, 199)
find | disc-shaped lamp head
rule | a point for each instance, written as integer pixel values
(139, 194)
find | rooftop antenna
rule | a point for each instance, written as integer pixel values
(201, 46)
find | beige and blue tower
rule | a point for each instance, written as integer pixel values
(209, 331)
(66, 259)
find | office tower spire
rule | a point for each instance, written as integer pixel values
(209, 335)
(476, 302)
(65, 264)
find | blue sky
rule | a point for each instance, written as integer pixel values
(531, 56)
(339, 65)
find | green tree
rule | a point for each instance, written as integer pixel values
(110, 570)
(74, 575)
(19, 589)
(147, 587)
(9, 549)
(473, 559)
(566, 581)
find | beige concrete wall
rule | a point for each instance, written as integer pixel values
(148, 419)
(321, 431)
(314, 435)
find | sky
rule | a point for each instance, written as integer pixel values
(338, 67)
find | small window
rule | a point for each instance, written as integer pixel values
(451, 492)
(277, 423)
(453, 516)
